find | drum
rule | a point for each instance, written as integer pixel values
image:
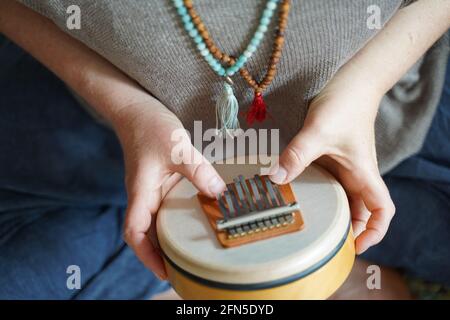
(310, 263)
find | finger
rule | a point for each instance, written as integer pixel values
(301, 151)
(144, 196)
(378, 201)
(201, 173)
(169, 183)
(359, 213)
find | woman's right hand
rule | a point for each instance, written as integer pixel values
(145, 132)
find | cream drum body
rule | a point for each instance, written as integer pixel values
(308, 264)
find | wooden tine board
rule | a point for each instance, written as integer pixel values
(211, 209)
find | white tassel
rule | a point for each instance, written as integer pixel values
(227, 111)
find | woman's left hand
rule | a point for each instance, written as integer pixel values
(339, 133)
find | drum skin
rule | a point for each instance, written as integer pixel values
(318, 285)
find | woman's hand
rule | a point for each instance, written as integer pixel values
(339, 133)
(145, 131)
(339, 129)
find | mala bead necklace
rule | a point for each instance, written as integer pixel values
(258, 109)
(227, 107)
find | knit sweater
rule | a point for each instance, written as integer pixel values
(146, 40)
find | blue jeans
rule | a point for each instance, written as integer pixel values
(418, 240)
(62, 197)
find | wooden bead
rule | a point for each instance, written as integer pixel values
(271, 73)
(277, 54)
(201, 27)
(226, 59)
(279, 41)
(194, 17)
(285, 6)
(274, 60)
(213, 49)
(267, 80)
(205, 34)
(188, 4)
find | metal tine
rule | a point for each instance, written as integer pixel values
(269, 187)
(247, 193)
(223, 208)
(260, 224)
(279, 195)
(262, 191)
(241, 196)
(231, 209)
(234, 200)
(258, 199)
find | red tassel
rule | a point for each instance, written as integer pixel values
(258, 110)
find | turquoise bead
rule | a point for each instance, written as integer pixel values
(259, 35)
(251, 48)
(265, 21)
(240, 64)
(178, 3)
(193, 33)
(198, 39)
(189, 26)
(229, 73)
(201, 46)
(255, 42)
(242, 60)
(271, 5)
(182, 11)
(221, 72)
(186, 18)
(267, 13)
(204, 52)
(209, 58)
(262, 29)
(216, 66)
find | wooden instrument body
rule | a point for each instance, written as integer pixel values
(308, 264)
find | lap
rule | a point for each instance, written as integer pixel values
(39, 244)
(62, 198)
(49, 146)
(418, 239)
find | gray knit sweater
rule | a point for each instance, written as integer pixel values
(145, 39)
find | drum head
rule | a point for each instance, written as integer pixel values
(188, 241)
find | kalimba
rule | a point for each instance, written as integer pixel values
(257, 240)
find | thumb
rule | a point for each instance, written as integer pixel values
(201, 173)
(301, 151)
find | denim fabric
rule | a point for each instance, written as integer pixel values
(418, 239)
(62, 198)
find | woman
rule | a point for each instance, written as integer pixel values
(138, 70)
